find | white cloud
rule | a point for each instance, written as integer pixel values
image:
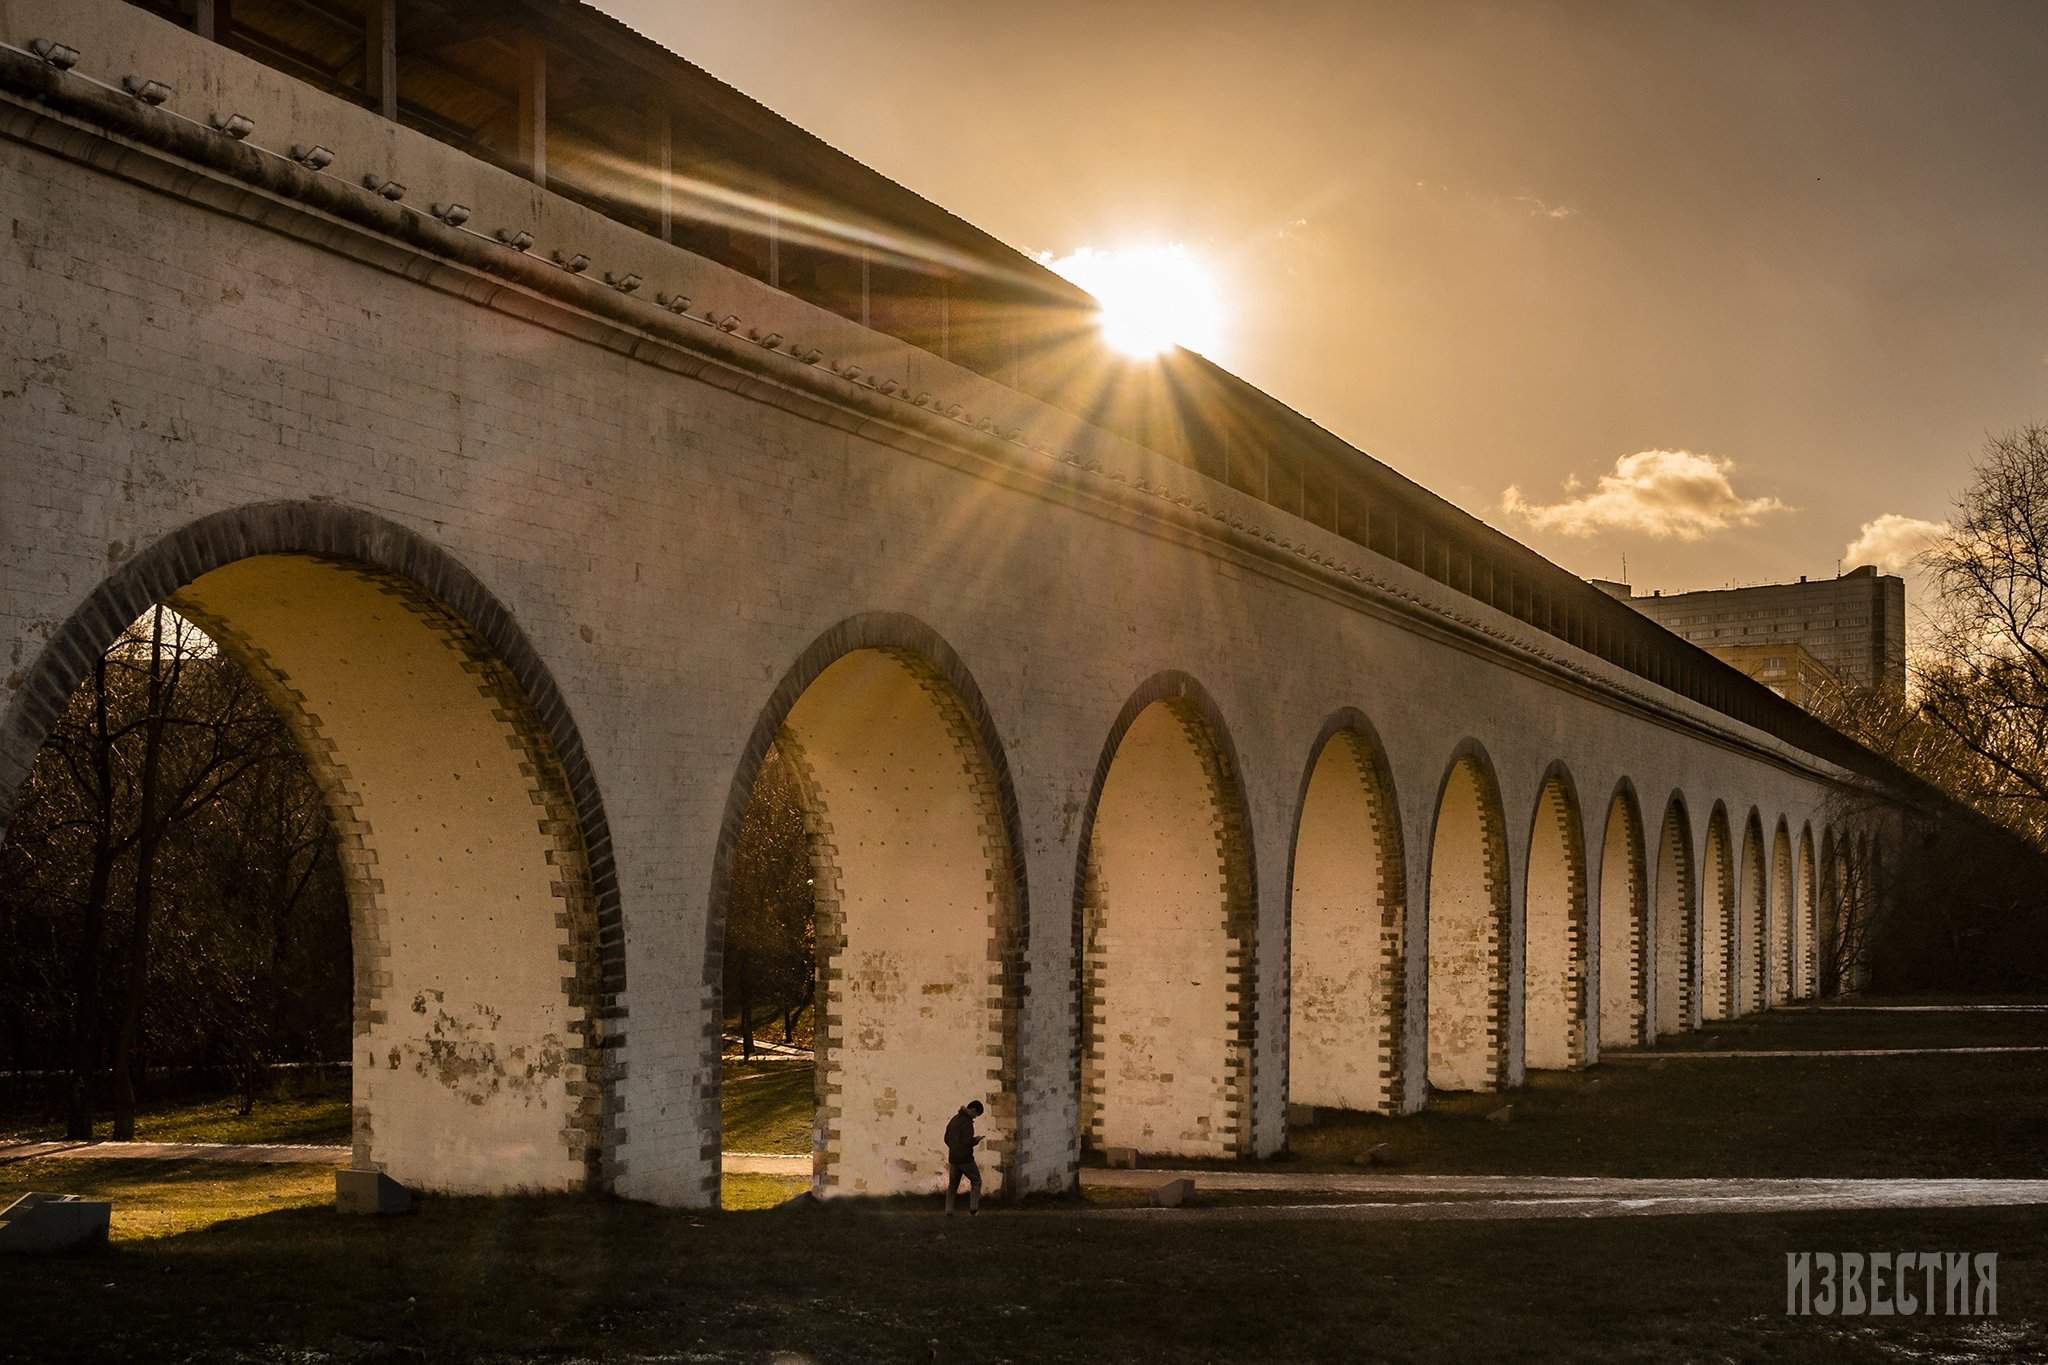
(1541, 208)
(1664, 494)
(1892, 542)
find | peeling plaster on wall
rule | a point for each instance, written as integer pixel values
(1345, 932)
(1165, 946)
(915, 925)
(457, 892)
(1468, 935)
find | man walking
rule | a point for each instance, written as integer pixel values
(960, 1145)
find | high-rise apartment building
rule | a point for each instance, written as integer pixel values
(1855, 625)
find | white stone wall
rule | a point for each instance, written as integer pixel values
(671, 533)
(1340, 972)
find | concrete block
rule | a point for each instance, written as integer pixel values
(39, 1224)
(369, 1192)
(1301, 1116)
(1121, 1158)
(1504, 1114)
(1173, 1193)
(1380, 1154)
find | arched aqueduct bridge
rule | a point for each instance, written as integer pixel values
(1165, 761)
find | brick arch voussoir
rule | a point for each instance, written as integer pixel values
(436, 583)
(1350, 726)
(945, 677)
(1571, 835)
(1203, 722)
(1499, 867)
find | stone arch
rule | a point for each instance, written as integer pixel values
(1752, 918)
(1720, 972)
(472, 837)
(1347, 894)
(1624, 914)
(1470, 928)
(1778, 933)
(920, 903)
(1805, 920)
(1165, 933)
(1554, 932)
(1676, 918)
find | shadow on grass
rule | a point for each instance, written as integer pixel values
(525, 1279)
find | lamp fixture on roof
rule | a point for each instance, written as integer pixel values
(148, 91)
(55, 53)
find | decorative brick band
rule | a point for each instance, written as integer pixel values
(939, 671)
(433, 584)
(1677, 837)
(1720, 895)
(1500, 924)
(1783, 907)
(1558, 798)
(1756, 948)
(1202, 722)
(1806, 920)
(1638, 947)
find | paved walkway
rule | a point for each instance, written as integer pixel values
(1721, 1054)
(1937, 1009)
(1448, 1197)
(765, 1163)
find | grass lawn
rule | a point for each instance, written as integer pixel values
(767, 1107)
(321, 1117)
(156, 1199)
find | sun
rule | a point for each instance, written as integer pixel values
(1153, 297)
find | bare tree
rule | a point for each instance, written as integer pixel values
(770, 929)
(165, 869)
(1983, 679)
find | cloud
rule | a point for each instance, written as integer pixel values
(1664, 494)
(1541, 208)
(1892, 541)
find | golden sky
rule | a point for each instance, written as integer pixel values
(1714, 285)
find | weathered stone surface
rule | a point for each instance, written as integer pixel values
(1173, 1193)
(39, 1224)
(369, 1192)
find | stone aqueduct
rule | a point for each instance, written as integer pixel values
(1139, 806)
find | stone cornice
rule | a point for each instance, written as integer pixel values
(86, 121)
